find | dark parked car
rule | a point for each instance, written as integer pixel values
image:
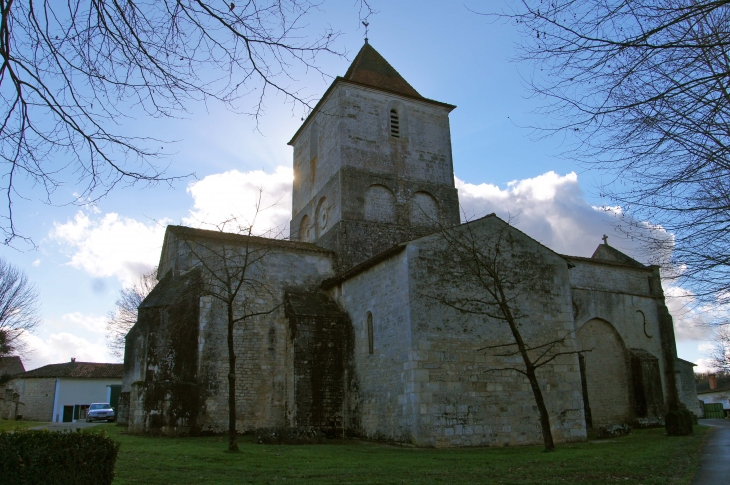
(100, 411)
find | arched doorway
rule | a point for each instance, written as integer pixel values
(605, 374)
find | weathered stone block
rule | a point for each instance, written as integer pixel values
(614, 431)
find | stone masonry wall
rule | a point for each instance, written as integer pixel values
(319, 348)
(608, 375)
(37, 396)
(353, 127)
(687, 387)
(263, 349)
(382, 402)
(263, 359)
(356, 159)
(623, 298)
(161, 359)
(465, 396)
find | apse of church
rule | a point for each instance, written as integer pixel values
(354, 345)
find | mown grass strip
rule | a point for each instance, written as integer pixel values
(645, 457)
(8, 425)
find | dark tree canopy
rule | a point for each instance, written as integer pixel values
(18, 309)
(71, 70)
(641, 87)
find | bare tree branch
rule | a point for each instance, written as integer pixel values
(18, 309)
(235, 275)
(124, 316)
(641, 88)
(71, 71)
(494, 273)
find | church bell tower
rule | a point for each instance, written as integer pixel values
(372, 164)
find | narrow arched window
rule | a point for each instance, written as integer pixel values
(370, 333)
(394, 124)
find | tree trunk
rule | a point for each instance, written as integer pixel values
(232, 433)
(547, 434)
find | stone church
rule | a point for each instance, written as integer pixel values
(354, 333)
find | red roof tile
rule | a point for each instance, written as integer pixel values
(83, 370)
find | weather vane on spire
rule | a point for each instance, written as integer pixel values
(366, 23)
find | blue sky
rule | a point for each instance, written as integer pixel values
(86, 254)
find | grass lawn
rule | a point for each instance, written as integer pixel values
(645, 457)
(7, 425)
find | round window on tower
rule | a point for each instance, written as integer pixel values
(322, 214)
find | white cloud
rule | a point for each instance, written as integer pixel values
(550, 208)
(690, 321)
(234, 194)
(36, 263)
(61, 347)
(77, 320)
(111, 245)
(706, 347)
(704, 366)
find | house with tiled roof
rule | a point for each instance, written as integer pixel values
(715, 389)
(63, 392)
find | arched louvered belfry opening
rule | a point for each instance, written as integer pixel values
(394, 124)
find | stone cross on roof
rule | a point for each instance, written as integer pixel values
(605, 239)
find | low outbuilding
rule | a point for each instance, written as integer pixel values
(715, 390)
(64, 392)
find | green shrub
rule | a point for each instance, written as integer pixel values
(73, 458)
(678, 422)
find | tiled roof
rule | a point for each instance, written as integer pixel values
(11, 365)
(169, 290)
(371, 69)
(311, 304)
(367, 264)
(88, 370)
(605, 262)
(184, 232)
(723, 384)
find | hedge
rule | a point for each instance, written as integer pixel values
(62, 458)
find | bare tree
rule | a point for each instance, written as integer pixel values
(69, 71)
(234, 265)
(641, 87)
(124, 315)
(720, 353)
(18, 309)
(496, 274)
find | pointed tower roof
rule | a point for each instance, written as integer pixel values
(371, 69)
